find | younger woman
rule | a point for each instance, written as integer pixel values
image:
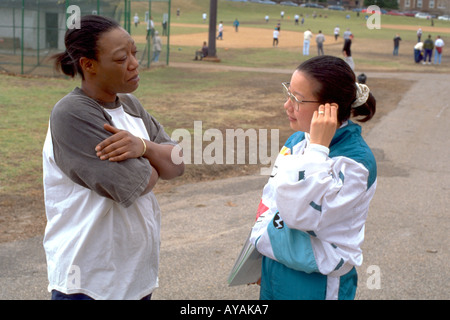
(310, 222)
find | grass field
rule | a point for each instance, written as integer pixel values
(177, 97)
(371, 48)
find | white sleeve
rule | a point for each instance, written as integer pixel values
(323, 196)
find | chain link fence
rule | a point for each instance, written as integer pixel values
(31, 31)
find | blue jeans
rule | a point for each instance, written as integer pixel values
(57, 295)
(417, 56)
(156, 56)
(306, 47)
(437, 56)
(395, 51)
(428, 53)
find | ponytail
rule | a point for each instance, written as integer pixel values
(65, 64)
(364, 103)
(367, 109)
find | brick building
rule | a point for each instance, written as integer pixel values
(438, 7)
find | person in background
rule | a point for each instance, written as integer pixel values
(150, 28)
(311, 217)
(428, 47)
(164, 27)
(320, 39)
(438, 44)
(203, 52)
(347, 52)
(348, 35)
(236, 24)
(397, 40)
(220, 35)
(307, 36)
(418, 52)
(336, 32)
(157, 46)
(276, 34)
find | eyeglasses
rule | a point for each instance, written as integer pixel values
(293, 98)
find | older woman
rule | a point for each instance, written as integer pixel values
(102, 156)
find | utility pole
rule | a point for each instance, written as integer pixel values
(212, 32)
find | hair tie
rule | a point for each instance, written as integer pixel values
(72, 60)
(362, 94)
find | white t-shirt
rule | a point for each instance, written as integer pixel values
(439, 43)
(276, 33)
(102, 237)
(307, 35)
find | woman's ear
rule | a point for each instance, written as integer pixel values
(333, 104)
(88, 65)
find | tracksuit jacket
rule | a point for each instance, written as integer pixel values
(314, 206)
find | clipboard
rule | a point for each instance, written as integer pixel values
(247, 268)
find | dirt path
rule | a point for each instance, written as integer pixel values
(414, 28)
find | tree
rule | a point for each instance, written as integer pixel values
(212, 28)
(385, 4)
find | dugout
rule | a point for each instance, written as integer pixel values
(33, 30)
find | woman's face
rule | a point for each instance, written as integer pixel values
(302, 88)
(116, 65)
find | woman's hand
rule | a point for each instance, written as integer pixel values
(257, 282)
(324, 124)
(122, 145)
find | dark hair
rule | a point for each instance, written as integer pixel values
(336, 83)
(82, 42)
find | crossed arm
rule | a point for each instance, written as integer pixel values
(123, 145)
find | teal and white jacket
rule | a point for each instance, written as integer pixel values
(314, 206)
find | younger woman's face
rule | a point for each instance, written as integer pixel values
(117, 66)
(302, 88)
